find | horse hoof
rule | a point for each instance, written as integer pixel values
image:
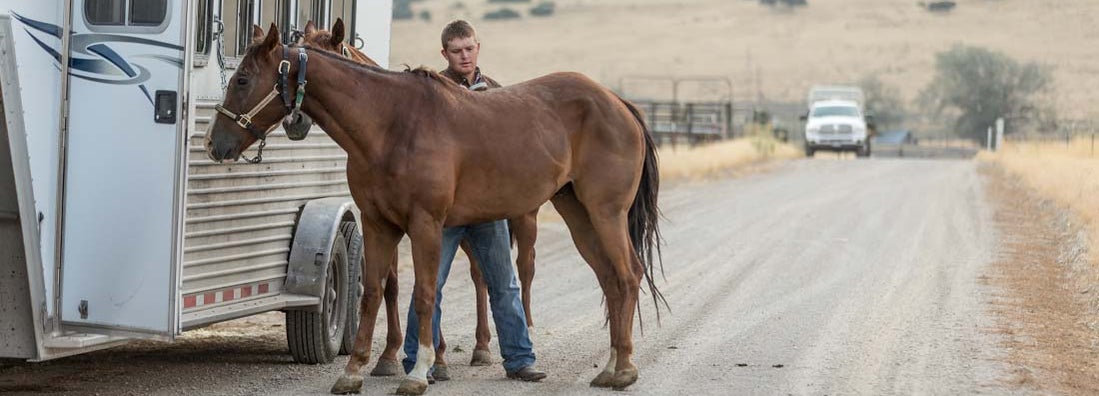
(386, 368)
(410, 386)
(603, 380)
(481, 357)
(441, 373)
(624, 378)
(348, 384)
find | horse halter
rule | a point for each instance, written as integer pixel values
(293, 105)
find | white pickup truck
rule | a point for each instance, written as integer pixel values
(836, 121)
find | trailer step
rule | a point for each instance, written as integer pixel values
(79, 340)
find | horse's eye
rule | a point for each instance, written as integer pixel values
(242, 81)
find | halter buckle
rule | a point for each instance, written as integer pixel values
(284, 67)
(244, 121)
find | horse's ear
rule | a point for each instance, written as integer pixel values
(272, 41)
(310, 28)
(257, 33)
(337, 32)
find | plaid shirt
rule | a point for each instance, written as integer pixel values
(478, 78)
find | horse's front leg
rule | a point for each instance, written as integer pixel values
(426, 235)
(381, 246)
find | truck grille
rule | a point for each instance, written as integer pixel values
(831, 129)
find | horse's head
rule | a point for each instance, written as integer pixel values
(328, 40)
(333, 41)
(252, 105)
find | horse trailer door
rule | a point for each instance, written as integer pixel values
(123, 168)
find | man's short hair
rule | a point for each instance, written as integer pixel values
(458, 29)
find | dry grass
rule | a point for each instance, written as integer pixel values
(722, 158)
(1068, 174)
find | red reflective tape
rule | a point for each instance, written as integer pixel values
(209, 298)
(245, 291)
(263, 288)
(190, 301)
(227, 295)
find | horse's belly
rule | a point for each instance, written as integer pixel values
(499, 200)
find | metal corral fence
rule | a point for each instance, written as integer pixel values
(685, 109)
(690, 123)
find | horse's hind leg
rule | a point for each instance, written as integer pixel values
(387, 363)
(587, 243)
(481, 354)
(381, 245)
(525, 229)
(613, 235)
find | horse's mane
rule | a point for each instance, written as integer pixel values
(425, 73)
(429, 73)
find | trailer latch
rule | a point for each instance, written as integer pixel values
(165, 107)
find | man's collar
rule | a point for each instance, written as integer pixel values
(462, 80)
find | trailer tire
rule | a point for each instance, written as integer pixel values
(354, 239)
(315, 336)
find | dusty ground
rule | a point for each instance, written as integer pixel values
(1047, 307)
(828, 41)
(779, 283)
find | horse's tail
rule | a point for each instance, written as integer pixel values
(644, 214)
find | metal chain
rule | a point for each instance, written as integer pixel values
(259, 153)
(221, 52)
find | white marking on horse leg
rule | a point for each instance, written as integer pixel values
(425, 357)
(612, 362)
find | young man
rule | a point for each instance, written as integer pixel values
(490, 242)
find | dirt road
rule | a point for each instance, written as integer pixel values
(821, 277)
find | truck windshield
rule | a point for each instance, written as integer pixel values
(836, 111)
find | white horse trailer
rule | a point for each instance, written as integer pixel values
(115, 226)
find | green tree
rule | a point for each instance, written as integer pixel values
(883, 101)
(981, 85)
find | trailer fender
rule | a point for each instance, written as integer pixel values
(313, 236)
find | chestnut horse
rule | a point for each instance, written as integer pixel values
(425, 153)
(524, 230)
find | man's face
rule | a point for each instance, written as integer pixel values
(461, 54)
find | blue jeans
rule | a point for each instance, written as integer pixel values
(491, 246)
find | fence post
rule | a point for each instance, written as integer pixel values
(729, 133)
(988, 139)
(690, 124)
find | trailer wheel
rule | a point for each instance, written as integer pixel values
(354, 239)
(316, 336)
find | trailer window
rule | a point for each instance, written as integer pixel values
(247, 15)
(205, 26)
(114, 12)
(105, 12)
(322, 13)
(148, 12)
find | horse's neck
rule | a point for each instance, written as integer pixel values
(354, 105)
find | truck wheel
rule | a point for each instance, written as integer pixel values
(354, 239)
(864, 151)
(315, 336)
(809, 152)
